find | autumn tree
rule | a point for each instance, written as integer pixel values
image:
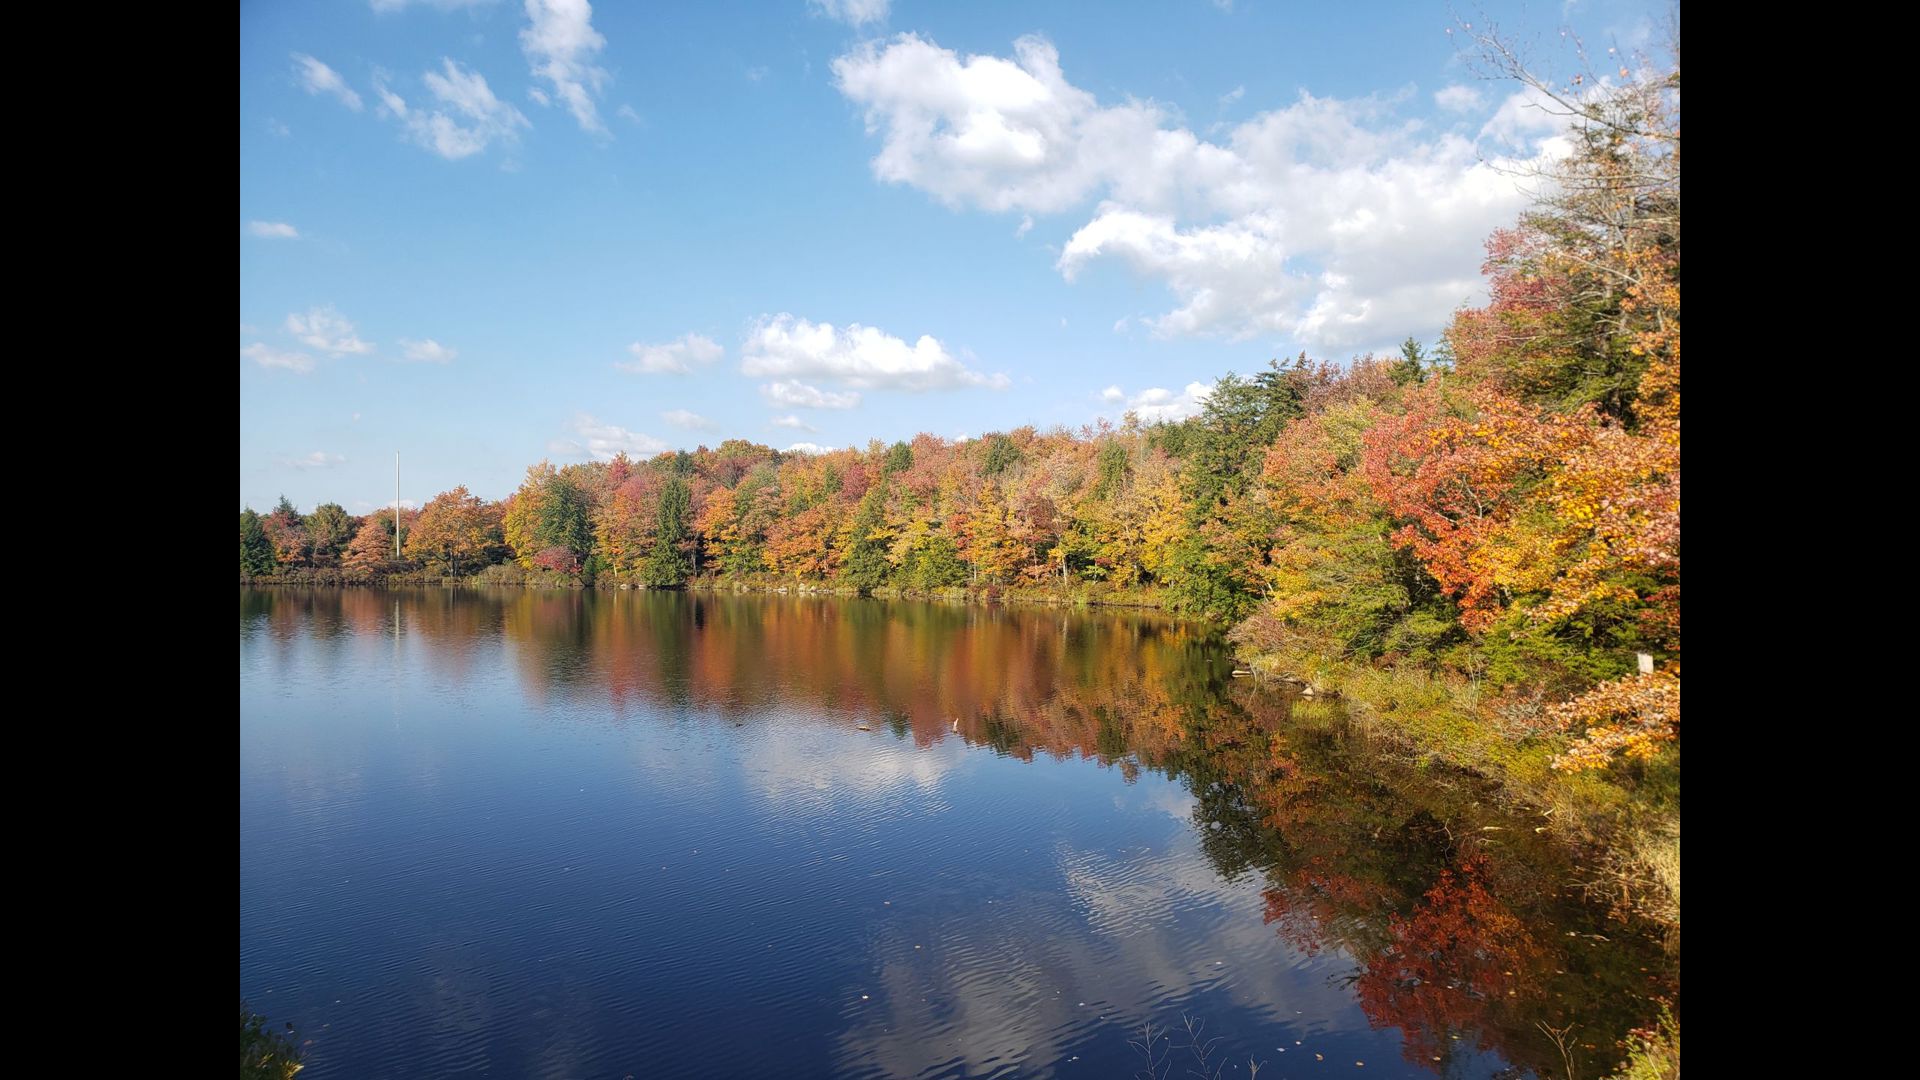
(549, 521)
(451, 530)
(288, 532)
(372, 546)
(1589, 278)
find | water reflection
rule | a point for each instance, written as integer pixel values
(1397, 889)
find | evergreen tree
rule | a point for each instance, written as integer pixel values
(329, 530)
(866, 565)
(566, 518)
(256, 551)
(668, 564)
(1411, 367)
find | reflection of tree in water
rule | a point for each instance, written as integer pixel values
(1462, 922)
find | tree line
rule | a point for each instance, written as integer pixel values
(1504, 508)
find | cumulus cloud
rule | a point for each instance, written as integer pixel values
(1459, 99)
(560, 42)
(1330, 222)
(427, 351)
(591, 438)
(675, 357)
(269, 357)
(865, 357)
(319, 459)
(273, 230)
(852, 12)
(318, 78)
(808, 448)
(1160, 404)
(792, 420)
(795, 393)
(327, 330)
(692, 421)
(466, 119)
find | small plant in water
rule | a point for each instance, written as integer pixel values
(1201, 1048)
(1150, 1046)
(265, 1054)
(1157, 1050)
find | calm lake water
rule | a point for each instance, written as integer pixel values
(560, 834)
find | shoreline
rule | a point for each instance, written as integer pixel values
(1623, 827)
(1135, 600)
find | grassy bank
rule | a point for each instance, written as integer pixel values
(1080, 594)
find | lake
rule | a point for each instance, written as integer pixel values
(578, 834)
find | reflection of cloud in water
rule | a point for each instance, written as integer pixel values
(1020, 980)
(1175, 802)
(796, 761)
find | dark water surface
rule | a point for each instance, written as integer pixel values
(557, 834)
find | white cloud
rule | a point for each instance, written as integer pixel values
(792, 420)
(1234, 277)
(1458, 98)
(603, 442)
(1025, 227)
(755, 74)
(278, 129)
(808, 448)
(795, 393)
(319, 459)
(675, 357)
(1002, 134)
(852, 12)
(472, 118)
(560, 42)
(1331, 222)
(318, 78)
(691, 421)
(427, 351)
(1232, 96)
(327, 330)
(269, 357)
(1524, 118)
(273, 230)
(629, 114)
(858, 356)
(1158, 403)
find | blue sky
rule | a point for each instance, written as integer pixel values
(486, 233)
